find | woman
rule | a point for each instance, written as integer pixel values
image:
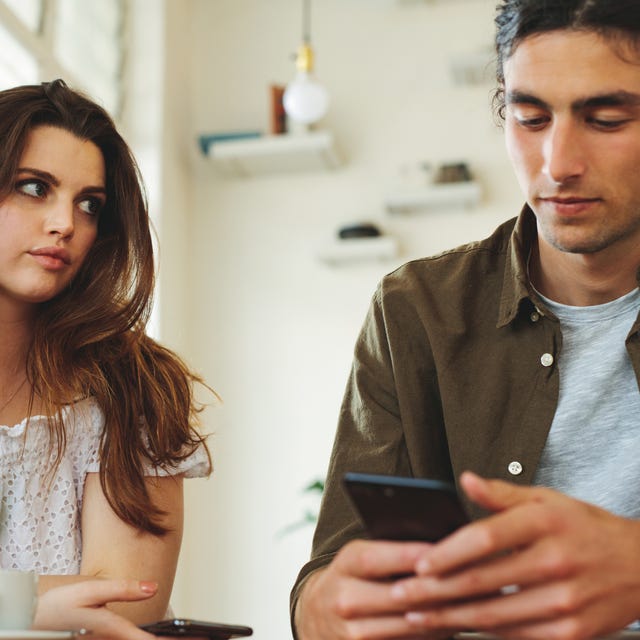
(99, 419)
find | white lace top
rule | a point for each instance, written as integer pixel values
(40, 512)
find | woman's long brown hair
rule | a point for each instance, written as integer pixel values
(90, 340)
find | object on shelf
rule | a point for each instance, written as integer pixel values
(207, 140)
(271, 154)
(278, 122)
(455, 172)
(452, 195)
(359, 242)
(362, 230)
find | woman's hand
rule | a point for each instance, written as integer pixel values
(82, 605)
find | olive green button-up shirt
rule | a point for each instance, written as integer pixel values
(454, 369)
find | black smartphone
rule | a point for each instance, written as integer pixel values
(398, 508)
(186, 628)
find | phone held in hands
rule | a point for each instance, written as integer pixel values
(186, 628)
(399, 508)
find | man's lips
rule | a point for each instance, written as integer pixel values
(52, 253)
(569, 204)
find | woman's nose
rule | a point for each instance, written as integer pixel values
(60, 219)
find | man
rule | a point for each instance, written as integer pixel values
(515, 358)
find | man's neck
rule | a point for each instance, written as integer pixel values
(582, 279)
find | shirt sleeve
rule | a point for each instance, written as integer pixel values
(84, 423)
(369, 439)
(86, 420)
(197, 465)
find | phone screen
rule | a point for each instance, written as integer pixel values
(398, 508)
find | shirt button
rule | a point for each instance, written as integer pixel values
(534, 317)
(515, 468)
(546, 360)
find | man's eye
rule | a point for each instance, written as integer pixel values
(533, 123)
(92, 206)
(33, 188)
(529, 118)
(608, 124)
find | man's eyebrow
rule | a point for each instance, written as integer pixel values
(520, 97)
(614, 99)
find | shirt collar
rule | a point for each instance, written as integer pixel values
(515, 286)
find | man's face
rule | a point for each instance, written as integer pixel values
(573, 134)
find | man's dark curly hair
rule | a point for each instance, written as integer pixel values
(617, 20)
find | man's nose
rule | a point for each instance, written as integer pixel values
(562, 152)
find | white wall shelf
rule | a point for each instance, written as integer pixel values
(310, 151)
(354, 250)
(433, 197)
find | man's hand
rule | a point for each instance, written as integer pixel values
(82, 605)
(544, 566)
(351, 598)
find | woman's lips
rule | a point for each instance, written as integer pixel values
(52, 257)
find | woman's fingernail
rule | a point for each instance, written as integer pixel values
(146, 586)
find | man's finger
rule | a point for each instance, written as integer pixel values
(496, 495)
(375, 559)
(483, 540)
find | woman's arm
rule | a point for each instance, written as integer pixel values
(113, 549)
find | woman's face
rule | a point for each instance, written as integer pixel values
(49, 222)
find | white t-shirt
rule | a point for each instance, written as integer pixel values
(591, 452)
(40, 511)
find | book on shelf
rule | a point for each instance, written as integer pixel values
(206, 140)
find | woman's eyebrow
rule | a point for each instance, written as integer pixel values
(45, 175)
(49, 177)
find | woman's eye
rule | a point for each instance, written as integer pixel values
(92, 206)
(33, 188)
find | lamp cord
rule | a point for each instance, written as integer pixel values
(306, 21)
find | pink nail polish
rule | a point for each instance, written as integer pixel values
(146, 586)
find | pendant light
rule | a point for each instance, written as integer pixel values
(305, 100)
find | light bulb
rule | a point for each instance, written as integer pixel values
(305, 100)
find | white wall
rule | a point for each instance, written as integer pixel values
(243, 295)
